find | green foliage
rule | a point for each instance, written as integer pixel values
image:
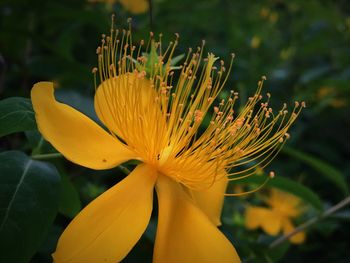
(16, 114)
(69, 204)
(28, 204)
(301, 46)
(320, 166)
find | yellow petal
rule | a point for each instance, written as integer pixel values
(287, 204)
(288, 227)
(211, 201)
(272, 222)
(116, 97)
(267, 219)
(254, 216)
(108, 228)
(184, 233)
(126, 105)
(73, 134)
(135, 6)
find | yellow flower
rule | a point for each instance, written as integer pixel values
(330, 94)
(133, 6)
(152, 118)
(282, 209)
(255, 42)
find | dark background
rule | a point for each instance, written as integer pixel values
(303, 47)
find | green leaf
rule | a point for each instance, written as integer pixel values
(16, 114)
(176, 59)
(287, 185)
(152, 59)
(70, 203)
(29, 192)
(325, 169)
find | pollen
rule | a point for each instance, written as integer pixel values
(172, 117)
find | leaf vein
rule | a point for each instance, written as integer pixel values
(25, 171)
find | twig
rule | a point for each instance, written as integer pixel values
(312, 221)
(124, 169)
(46, 156)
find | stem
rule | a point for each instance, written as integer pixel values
(312, 221)
(36, 150)
(124, 169)
(46, 156)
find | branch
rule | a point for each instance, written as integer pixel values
(312, 221)
(46, 156)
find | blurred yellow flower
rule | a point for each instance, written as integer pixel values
(133, 6)
(287, 53)
(255, 42)
(273, 17)
(264, 12)
(152, 118)
(339, 103)
(283, 207)
(334, 98)
(325, 91)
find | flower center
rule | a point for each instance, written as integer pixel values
(162, 119)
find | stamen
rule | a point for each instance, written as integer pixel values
(141, 104)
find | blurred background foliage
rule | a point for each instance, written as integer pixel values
(303, 47)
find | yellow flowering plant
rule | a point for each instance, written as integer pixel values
(281, 209)
(133, 6)
(155, 115)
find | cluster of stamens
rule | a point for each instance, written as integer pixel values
(179, 126)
